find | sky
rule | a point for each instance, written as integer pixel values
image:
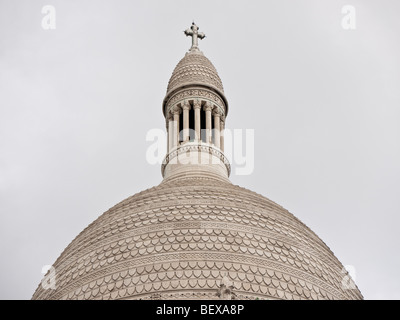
(77, 101)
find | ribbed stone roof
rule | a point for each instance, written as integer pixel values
(179, 239)
(194, 69)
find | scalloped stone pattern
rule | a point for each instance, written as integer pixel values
(179, 239)
(194, 68)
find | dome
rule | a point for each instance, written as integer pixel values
(196, 235)
(197, 238)
(195, 69)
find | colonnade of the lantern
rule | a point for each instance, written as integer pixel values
(212, 113)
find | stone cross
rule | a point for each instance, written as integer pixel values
(194, 33)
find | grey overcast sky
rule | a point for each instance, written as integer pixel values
(76, 103)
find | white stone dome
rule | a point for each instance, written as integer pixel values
(195, 70)
(196, 235)
(180, 239)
